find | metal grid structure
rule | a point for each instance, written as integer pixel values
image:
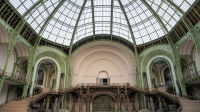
(101, 17)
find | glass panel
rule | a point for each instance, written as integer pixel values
(61, 26)
(144, 24)
(23, 5)
(165, 12)
(63, 22)
(184, 4)
(120, 26)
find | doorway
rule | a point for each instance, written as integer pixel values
(103, 78)
(104, 81)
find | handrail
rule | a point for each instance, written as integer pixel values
(101, 84)
(37, 97)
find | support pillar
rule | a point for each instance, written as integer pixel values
(123, 104)
(8, 93)
(84, 106)
(160, 103)
(70, 105)
(55, 105)
(48, 102)
(29, 71)
(59, 102)
(129, 103)
(179, 72)
(91, 105)
(152, 104)
(77, 102)
(116, 106)
(148, 103)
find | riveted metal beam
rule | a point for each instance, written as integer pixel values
(93, 20)
(111, 18)
(130, 28)
(75, 28)
(188, 24)
(2, 6)
(135, 48)
(68, 78)
(33, 7)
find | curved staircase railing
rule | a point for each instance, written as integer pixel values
(161, 91)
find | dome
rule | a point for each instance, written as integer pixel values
(65, 21)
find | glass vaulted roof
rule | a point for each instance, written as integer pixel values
(59, 21)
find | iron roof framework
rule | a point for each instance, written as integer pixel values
(117, 20)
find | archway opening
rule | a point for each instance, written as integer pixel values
(103, 103)
(167, 76)
(188, 69)
(162, 74)
(46, 72)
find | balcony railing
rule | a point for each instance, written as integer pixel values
(100, 84)
(11, 76)
(189, 77)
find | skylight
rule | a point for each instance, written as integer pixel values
(61, 26)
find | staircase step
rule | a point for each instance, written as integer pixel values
(20, 106)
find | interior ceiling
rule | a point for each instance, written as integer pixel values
(56, 20)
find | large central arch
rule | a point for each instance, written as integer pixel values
(113, 58)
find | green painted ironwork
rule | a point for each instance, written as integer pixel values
(93, 21)
(189, 25)
(34, 48)
(71, 44)
(111, 18)
(11, 43)
(173, 47)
